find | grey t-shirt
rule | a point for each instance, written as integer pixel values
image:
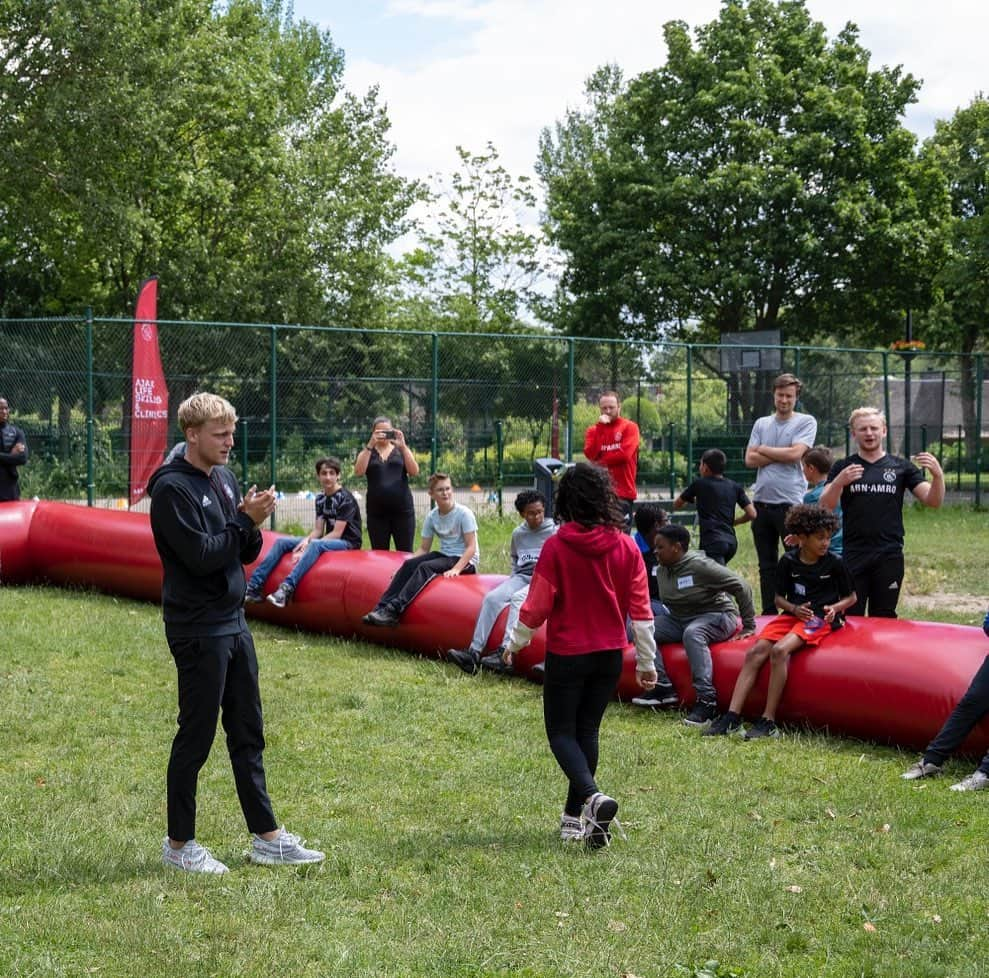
(782, 482)
(450, 528)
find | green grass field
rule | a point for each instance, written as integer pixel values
(437, 801)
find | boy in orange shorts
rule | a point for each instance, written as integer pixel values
(813, 588)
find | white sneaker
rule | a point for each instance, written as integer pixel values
(192, 858)
(976, 781)
(571, 828)
(285, 849)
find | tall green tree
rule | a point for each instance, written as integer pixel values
(959, 320)
(760, 179)
(212, 144)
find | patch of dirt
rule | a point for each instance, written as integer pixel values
(963, 604)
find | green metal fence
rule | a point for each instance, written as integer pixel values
(479, 406)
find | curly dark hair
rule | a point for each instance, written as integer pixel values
(677, 534)
(648, 516)
(527, 497)
(585, 495)
(808, 519)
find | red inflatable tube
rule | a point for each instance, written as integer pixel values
(880, 679)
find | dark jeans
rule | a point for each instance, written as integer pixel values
(768, 531)
(383, 528)
(877, 581)
(971, 708)
(576, 691)
(413, 576)
(214, 673)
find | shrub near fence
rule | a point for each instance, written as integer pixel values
(480, 406)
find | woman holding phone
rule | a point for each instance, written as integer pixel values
(388, 462)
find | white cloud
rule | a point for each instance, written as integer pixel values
(517, 65)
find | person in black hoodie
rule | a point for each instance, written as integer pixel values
(204, 532)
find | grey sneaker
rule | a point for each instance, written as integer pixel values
(922, 769)
(191, 858)
(280, 596)
(762, 728)
(727, 723)
(976, 781)
(284, 850)
(598, 813)
(571, 829)
(253, 596)
(701, 715)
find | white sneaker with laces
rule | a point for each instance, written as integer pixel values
(285, 849)
(571, 828)
(191, 858)
(976, 781)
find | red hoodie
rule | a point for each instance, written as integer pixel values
(616, 446)
(587, 581)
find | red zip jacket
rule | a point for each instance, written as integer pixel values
(586, 582)
(616, 446)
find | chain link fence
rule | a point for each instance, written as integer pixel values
(481, 407)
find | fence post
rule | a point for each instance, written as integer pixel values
(570, 398)
(672, 428)
(889, 426)
(435, 436)
(243, 452)
(979, 381)
(273, 413)
(690, 410)
(90, 468)
(500, 463)
(958, 459)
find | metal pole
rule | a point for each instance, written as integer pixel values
(243, 452)
(90, 467)
(889, 432)
(672, 429)
(570, 399)
(690, 410)
(435, 436)
(978, 427)
(500, 461)
(273, 412)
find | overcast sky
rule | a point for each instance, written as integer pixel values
(465, 72)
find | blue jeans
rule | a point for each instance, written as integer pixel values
(285, 545)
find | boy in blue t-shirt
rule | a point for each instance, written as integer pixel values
(817, 462)
(456, 527)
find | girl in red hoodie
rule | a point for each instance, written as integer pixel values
(589, 580)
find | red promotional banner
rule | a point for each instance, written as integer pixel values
(149, 395)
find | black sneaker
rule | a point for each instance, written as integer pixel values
(253, 596)
(762, 728)
(467, 659)
(382, 617)
(661, 697)
(598, 813)
(495, 662)
(701, 715)
(727, 723)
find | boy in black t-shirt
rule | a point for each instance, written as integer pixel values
(716, 499)
(813, 588)
(337, 527)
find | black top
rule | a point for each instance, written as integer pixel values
(388, 489)
(10, 435)
(872, 507)
(716, 500)
(821, 583)
(203, 541)
(341, 506)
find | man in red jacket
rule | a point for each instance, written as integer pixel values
(614, 443)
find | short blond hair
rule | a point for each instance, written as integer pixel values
(864, 412)
(202, 407)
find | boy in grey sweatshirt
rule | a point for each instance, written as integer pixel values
(527, 542)
(698, 593)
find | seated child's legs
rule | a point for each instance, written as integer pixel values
(309, 557)
(755, 659)
(281, 546)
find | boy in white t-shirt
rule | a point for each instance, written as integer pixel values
(456, 527)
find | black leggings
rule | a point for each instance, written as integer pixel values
(576, 691)
(383, 528)
(971, 708)
(214, 673)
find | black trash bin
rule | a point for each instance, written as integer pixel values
(545, 473)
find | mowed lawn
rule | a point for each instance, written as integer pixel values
(437, 801)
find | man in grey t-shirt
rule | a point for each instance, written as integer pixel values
(776, 446)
